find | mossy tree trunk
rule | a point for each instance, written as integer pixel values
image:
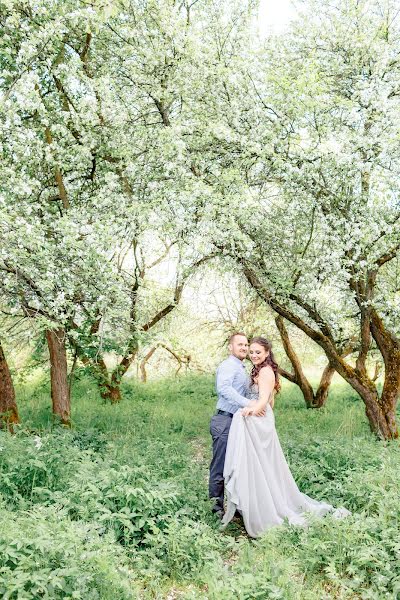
(8, 406)
(61, 403)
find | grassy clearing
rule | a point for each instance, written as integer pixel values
(118, 507)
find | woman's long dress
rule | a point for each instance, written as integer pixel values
(258, 481)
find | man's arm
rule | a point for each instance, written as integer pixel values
(225, 377)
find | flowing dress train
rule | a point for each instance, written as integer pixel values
(258, 481)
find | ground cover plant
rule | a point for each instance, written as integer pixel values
(117, 507)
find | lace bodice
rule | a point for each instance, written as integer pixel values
(252, 393)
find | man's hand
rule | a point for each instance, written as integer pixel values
(253, 409)
(248, 410)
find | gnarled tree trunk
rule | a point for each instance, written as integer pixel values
(114, 387)
(109, 389)
(380, 415)
(312, 399)
(321, 394)
(8, 406)
(110, 383)
(59, 375)
(389, 347)
(112, 392)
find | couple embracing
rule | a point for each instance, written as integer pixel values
(248, 461)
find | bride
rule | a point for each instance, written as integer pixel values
(258, 481)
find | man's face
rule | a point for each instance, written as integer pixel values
(239, 346)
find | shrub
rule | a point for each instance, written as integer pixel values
(31, 466)
(185, 550)
(324, 468)
(124, 499)
(44, 555)
(357, 554)
(90, 439)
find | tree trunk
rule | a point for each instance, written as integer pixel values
(390, 393)
(111, 392)
(110, 386)
(143, 373)
(59, 375)
(321, 395)
(379, 413)
(112, 389)
(8, 407)
(120, 370)
(109, 389)
(389, 347)
(312, 399)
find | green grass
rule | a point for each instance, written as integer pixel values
(118, 507)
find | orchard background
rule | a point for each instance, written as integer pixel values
(169, 176)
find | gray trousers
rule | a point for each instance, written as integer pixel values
(219, 429)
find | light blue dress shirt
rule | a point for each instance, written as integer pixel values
(232, 385)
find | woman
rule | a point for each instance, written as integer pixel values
(258, 481)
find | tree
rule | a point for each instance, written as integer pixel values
(53, 254)
(314, 218)
(233, 306)
(98, 109)
(60, 392)
(130, 323)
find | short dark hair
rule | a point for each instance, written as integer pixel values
(231, 338)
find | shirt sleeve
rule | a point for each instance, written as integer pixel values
(225, 377)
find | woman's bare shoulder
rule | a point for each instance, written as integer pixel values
(266, 373)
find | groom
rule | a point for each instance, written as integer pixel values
(232, 383)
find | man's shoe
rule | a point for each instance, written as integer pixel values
(218, 511)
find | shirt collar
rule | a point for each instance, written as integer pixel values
(237, 360)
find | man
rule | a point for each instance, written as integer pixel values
(231, 384)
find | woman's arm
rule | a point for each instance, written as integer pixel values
(266, 384)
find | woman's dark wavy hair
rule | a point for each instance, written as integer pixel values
(269, 361)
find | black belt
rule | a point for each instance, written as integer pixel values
(225, 413)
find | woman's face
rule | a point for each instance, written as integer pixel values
(257, 353)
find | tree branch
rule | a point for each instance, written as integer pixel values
(384, 258)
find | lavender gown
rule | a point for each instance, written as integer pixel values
(258, 480)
